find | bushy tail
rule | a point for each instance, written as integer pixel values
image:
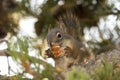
(69, 23)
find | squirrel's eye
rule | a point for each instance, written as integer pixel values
(59, 36)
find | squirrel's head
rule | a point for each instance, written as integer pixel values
(55, 37)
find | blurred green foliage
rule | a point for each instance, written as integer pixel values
(18, 50)
(78, 74)
(101, 73)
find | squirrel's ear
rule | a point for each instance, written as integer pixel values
(49, 28)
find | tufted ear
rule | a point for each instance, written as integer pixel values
(49, 28)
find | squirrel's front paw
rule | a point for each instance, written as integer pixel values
(49, 53)
(68, 51)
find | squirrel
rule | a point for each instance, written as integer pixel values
(65, 46)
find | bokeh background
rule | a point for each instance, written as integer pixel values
(25, 23)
